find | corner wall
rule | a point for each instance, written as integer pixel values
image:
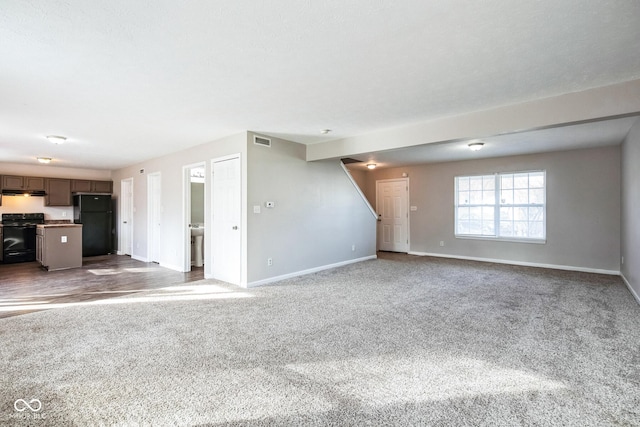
(317, 219)
(583, 209)
(630, 218)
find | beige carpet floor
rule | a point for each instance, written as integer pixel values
(401, 340)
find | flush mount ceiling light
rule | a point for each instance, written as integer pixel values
(325, 131)
(56, 139)
(44, 159)
(371, 165)
(475, 146)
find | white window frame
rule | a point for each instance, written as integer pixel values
(496, 209)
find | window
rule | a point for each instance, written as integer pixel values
(509, 206)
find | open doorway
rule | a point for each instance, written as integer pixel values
(125, 238)
(194, 191)
(154, 213)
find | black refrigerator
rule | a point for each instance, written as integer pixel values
(95, 215)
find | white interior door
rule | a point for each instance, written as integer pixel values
(126, 216)
(392, 205)
(227, 215)
(154, 216)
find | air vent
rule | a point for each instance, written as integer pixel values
(259, 140)
(349, 160)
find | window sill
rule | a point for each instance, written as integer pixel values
(504, 239)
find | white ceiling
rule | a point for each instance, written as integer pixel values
(126, 81)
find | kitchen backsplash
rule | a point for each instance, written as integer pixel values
(21, 204)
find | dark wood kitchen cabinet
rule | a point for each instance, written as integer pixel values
(32, 183)
(89, 186)
(58, 192)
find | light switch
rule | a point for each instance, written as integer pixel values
(414, 208)
(63, 239)
(256, 209)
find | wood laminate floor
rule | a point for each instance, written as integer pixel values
(27, 284)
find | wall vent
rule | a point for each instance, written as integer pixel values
(260, 140)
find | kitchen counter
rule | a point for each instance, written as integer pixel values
(58, 225)
(59, 246)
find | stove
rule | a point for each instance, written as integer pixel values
(19, 237)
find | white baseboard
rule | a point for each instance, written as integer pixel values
(633, 292)
(139, 258)
(309, 271)
(521, 263)
(172, 267)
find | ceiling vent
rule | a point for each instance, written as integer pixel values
(259, 140)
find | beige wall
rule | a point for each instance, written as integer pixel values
(631, 209)
(583, 208)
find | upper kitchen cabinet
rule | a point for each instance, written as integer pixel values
(58, 192)
(89, 186)
(26, 183)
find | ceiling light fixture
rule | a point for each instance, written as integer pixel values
(371, 165)
(475, 146)
(56, 139)
(44, 160)
(325, 131)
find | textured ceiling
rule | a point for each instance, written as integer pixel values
(129, 80)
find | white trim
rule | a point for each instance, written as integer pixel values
(172, 267)
(139, 258)
(308, 271)
(359, 190)
(633, 292)
(521, 263)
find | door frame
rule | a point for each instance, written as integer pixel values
(126, 192)
(408, 207)
(186, 212)
(154, 190)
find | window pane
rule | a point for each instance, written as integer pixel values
(475, 227)
(521, 197)
(521, 180)
(520, 228)
(506, 181)
(463, 198)
(463, 213)
(463, 183)
(506, 197)
(475, 212)
(506, 228)
(521, 214)
(506, 213)
(488, 182)
(536, 230)
(536, 180)
(488, 213)
(536, 214)
(475, 183)
(475, 197)
(536, 196)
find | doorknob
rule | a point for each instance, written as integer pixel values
(235, 227)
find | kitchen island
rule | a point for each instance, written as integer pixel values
(59, 246)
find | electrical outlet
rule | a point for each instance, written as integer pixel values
(441, 242)
(622, 260)
(64, 213)
(269, 262)
(63, 239)
(353, 248)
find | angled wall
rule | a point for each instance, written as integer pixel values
(318, 219)
(630, 245)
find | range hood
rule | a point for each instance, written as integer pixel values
(7, 192)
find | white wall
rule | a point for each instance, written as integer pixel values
(173, 225)
(317, 218)
(21, 204)
(583, 208)
(630, 248)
